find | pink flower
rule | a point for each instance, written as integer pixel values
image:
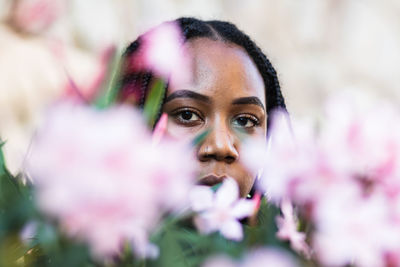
(34, 16)
(91, 89)
(253, 154)
(359, 133)
(221, 211)
(289, 156)
(162, 51)
(351, 229)
(352, 144)
(98, 173)
(219, 261)
(269, 257)
(261, 257)
(287, 229)
(343, 174)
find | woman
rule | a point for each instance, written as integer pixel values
(233, 90)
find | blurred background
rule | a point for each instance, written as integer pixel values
(317, 47)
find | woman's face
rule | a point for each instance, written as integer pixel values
(225, 97)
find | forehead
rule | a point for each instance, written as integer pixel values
(221, 68)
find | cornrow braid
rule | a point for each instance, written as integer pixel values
(134, 83)
(137, 84)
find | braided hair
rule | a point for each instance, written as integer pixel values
(134, 85)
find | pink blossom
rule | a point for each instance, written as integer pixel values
(87, 92)
(351, 145)
(162, 51)
(98, 173)
(253, 154)
(366, 134)
(287, 229)
(288, 157)
(160, 128)
(221, 211)
(220, 261)
(352, 229)
(269, 257)
(343, 173)
(257, 258)
(34, 16)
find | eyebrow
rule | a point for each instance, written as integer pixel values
(252, 100)
(187, 94)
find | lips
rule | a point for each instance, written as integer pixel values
(211, 180)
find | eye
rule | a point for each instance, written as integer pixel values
(245, 121)
(187, 117)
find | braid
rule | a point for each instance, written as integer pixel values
(216, 30)
(132, 48)
(194, 28)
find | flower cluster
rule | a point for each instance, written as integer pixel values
(101, 175)
(344, 175)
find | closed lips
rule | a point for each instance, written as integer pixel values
(211, 179)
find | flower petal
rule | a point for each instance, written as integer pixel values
(205, 223)
(243, 208)
(227, 194)
(201, 198)
(232, 229)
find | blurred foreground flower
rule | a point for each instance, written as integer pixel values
(161, 51)
(288, 229)
(344, 175)
(35, 16)
(97, 172)
(221, 211)
(257, 258)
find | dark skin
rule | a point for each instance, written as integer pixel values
(227, 97)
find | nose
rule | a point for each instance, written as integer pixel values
(219, 145)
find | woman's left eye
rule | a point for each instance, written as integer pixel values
(245, 121)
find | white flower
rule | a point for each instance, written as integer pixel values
(287, 229)
(221, 211)
(269, 257)
(261, 257)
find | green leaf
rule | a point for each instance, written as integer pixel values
(12, 250)
(200, 138)
(180, 243)
(154, 101)
(109, 91)
(9, 188)
(55, 249)
(264, 233)
(216, 187)
(2, 160)
(171, 252)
